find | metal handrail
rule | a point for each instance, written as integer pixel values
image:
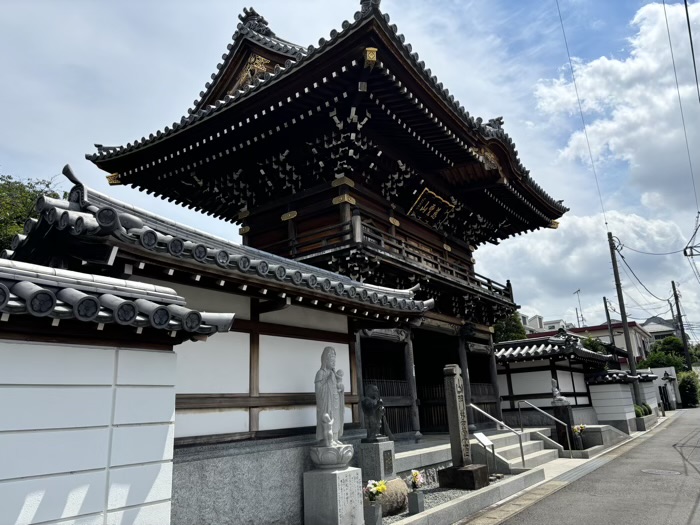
(550, 416)
(519, 434)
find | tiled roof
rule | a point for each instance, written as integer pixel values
(544, 348)
(40, 291)
(612, 377)
(92, 214)
(370, 11)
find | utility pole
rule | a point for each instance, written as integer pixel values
(578, 322)
(583, 321)
(688, 361)
(610, 330)
(626, 330)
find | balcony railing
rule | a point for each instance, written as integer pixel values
(307, 244)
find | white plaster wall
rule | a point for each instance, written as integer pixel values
(564, 381)
(612, 402)
(672, 386)
(650, 394)
(206, 300)
(289, 365)
(210, 421)
(275, 418)
(580, 382)
(531, 383)
(85, 431)
(307, 318)
(221, 364)
(529, 364)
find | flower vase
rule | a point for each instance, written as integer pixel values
(578, 442)
(373, 513)
(416, 502)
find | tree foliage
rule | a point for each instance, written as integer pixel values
(669, 345)
(509, 329)
(17, 204)
(689, 385)
(662, 360)
(595, 345)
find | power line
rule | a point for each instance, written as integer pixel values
(639, 280)
(650, 253)
(583, 120)
(692, 49)
(680, 103)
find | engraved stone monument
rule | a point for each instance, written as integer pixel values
(562, 411)
(332, 491)
(463, 474)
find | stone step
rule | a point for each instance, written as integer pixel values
(534, 459)
(513, 451)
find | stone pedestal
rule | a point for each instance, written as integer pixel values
(373, 513)
(377, 460)
(565, 414)
(469, 477)
(333, 497)
(416, 503)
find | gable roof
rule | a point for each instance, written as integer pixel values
(545, 348)
(454, 126)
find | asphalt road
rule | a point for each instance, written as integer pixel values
(654, 479)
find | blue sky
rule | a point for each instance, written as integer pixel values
(79, 72)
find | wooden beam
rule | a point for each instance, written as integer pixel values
(245, 326)
(215, 401)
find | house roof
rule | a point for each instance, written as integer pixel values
(545, 348)
(454, 129)
(39, 291)
(98, 220)
(583, 330)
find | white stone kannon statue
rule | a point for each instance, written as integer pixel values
(330, 409)
(330, 396)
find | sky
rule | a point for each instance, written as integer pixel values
(79, 72)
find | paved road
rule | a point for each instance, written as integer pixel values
(622, 491)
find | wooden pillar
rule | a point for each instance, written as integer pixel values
(411, 378)
(464, 365)
(358, 373)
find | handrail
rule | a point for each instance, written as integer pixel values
(550, 416)
(519, 434)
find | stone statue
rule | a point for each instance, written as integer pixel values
(558, 398)
(330, 397)
(373, 409)
(327, 423)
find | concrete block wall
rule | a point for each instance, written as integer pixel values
(86, 434)
(614, 406)
(649, 393)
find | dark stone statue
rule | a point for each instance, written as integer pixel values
(373, 409)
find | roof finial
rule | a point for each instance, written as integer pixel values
(368, 5)
(252, 20)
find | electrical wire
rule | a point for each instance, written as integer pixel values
(583, 120)
(650, 253)
(680, 104)
(639, 280)
(692, 48)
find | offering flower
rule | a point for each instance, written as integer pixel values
(416, 479)
(578, 429)
(374, 489)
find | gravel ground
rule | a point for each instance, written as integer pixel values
(434, 496)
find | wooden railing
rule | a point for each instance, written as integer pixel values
(405, 249)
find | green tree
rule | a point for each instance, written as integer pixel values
(661, 360)
(689, 385)
(17, 204)
(669, 345)
(509, 329)
(595, 345)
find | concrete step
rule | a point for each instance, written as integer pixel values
(534, 459)
(513, 451)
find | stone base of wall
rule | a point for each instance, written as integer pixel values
(625, 425)
(245, 483)
(646, 422)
